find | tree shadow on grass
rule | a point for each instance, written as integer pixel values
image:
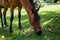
(50, 25)
(17, 34)
(23, 34)
(50, 22)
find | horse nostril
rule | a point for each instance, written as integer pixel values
(38, 33)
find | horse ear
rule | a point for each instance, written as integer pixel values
(38, 9)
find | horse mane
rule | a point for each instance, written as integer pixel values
(34, 11)
(32, 3)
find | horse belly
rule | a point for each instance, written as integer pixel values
(14, 2)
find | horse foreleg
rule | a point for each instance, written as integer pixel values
(5, 10)
(1, 19)
(19, 16)
(11, 18)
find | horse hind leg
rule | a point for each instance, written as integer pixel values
(1, 19)
(5, 10)
(19, 16)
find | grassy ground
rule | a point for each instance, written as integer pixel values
(50, 23)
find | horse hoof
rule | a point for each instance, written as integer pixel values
(5, 25)
(38, 33)
(20, 27)
(2, 29)
(11, 32)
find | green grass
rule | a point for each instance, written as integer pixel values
(50, 23)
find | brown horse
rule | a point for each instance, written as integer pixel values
(4, 4)
(32, 12)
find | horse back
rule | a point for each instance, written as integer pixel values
(14, 2)
(4, 3)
